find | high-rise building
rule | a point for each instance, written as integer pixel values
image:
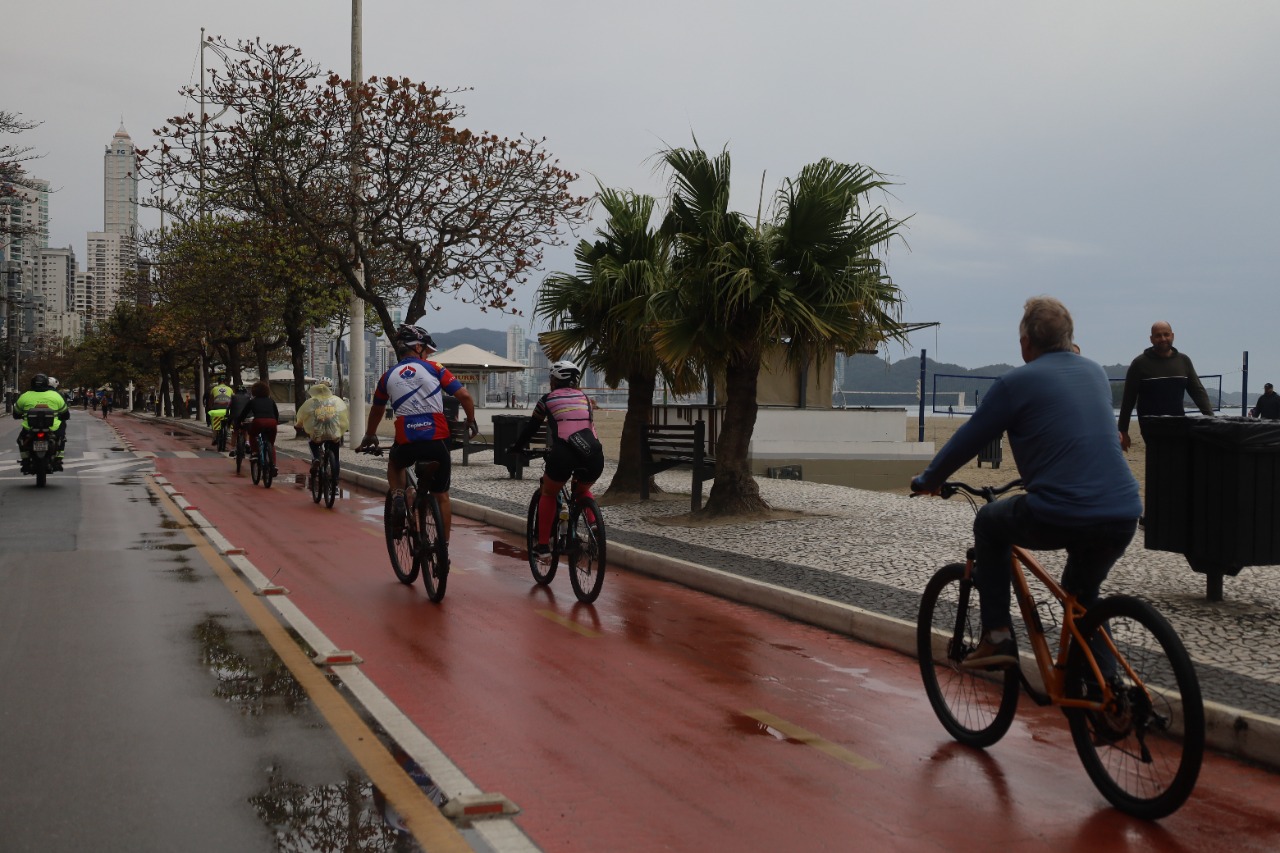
(120, 186)
(57, 318)
(113, 260)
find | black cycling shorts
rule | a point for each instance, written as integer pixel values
(564, 462)
(405, 455)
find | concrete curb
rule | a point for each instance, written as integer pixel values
(1231, 730)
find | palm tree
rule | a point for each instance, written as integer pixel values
(807, 278)
(599, 315)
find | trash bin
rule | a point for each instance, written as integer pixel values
(992, 453)
(1235, 468)
(506, 429)
(1213, 493)
(1168, 496)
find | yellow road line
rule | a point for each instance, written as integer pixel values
(432, 830)
(568, 623)
(810, 739)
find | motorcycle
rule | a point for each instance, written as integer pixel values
(41, 445)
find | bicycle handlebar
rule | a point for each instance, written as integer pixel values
(372, 450)
(987, 493)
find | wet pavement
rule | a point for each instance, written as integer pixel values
(736, 727)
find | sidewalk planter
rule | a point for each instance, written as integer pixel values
(1215, 494)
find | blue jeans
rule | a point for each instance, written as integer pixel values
(1091, 552)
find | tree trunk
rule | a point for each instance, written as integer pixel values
(629, 476)
(262, 352)
(735, 491)
(297, 354)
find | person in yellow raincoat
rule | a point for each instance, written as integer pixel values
(325, 420)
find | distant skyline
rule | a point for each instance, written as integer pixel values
(1119, 156)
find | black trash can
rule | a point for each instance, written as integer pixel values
(992, 453)
(1168, 494)
(1235, 468)
(506, 429)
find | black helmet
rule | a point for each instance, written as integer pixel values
(414, 336)
(39, 382)
(242, 388)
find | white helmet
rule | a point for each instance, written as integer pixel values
(53, 384)
(566, 371)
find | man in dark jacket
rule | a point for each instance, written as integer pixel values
(1268, 405)
(1157, 381)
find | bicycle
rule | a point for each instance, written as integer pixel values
(220, 434)
(1122, 677)
(242, 448)
(324, 479)
(418, 546)
(577, 534)
(260, 463)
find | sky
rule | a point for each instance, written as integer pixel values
(1123, 157)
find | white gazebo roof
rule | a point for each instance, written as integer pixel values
(472, 359)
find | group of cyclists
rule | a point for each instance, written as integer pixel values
(249, 411)
(415, 387)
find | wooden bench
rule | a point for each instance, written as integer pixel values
(667, 446)
(460, 436)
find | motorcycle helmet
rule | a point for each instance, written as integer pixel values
(39, 382)
(53, 383)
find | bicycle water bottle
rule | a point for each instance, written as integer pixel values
(562, 513)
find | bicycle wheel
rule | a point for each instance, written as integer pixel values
(586, 555)
(400, 547)
(316, 480)
(544, 567)
(330, 466)
(975, 706)
(242, 450)
(255, 466)
(264, 450)
(222, 436)
(1143, 751)
(433, 553)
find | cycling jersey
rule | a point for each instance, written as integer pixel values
(220, 396)
(567, 411)
(413, 389)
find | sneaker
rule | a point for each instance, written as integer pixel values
(989, 655)
(399, 513)
(542, 549)
(232, 454)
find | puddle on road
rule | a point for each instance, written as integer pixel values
(743, 724)
(256, 681)
(506, 549)
(347, 815)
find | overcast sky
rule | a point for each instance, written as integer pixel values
(1120, 156)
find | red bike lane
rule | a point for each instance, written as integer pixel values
(662, 718)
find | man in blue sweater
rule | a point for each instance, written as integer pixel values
(1080, 494)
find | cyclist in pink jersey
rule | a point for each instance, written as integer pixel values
(415, 389)
(573, 447)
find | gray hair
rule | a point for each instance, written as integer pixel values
(1046, 324)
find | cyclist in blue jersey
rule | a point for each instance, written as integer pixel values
(415, 389)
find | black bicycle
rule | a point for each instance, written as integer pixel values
(219, 433)
(260, 463)
(417, 545)
(324, 477)
(242, 448)
(577, 534)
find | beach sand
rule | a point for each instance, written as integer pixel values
(936, 429)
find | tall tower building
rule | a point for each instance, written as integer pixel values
(120, 186)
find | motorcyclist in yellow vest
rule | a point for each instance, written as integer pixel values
(42, 395)
(219, 401)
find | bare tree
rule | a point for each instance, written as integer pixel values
(441, 210)
(13, 177)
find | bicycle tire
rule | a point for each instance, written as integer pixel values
(242, 451)
(264, 450)
(222, 436)
(544, 568)
(1143, 753)
(975, 706)
(433, 554)
(255, 467)
(316, 481)
(399, 548)
(330, 463)
(586, 553)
